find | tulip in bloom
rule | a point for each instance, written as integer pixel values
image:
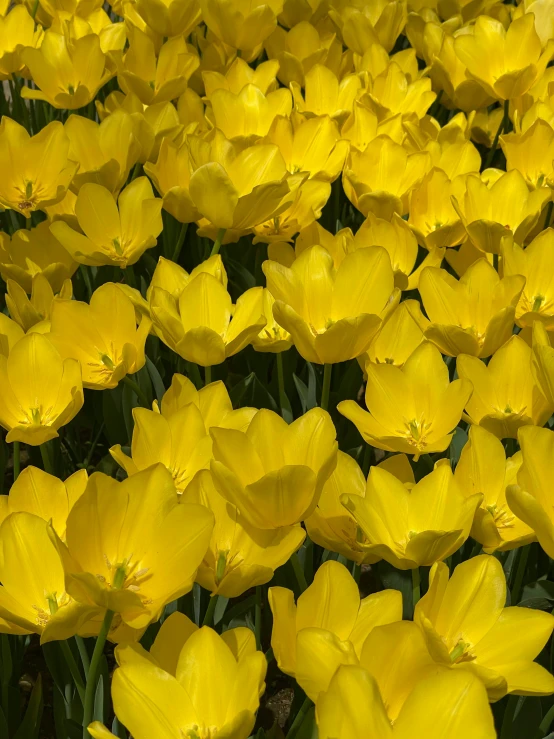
(325, 94)
(498, 204)
(331, 314)
(121, 234)
(362, 25)
(410, 525)
(399, 336)
(170, 17)
(531, 151)
(505, 394)
(412, 409)
(272, 472)
(240, 556)
(484, 468)
(17, 32)
(467, 628)
(327, 626)
(68, 72)
(248, 115)
(432, 215)
(474, 315)
(35, 251)
(272, 337)
(487, 51)
(131, 547)
(454, 704)
(241, 24)
(40, 391)
(193, 683)
(37, 309)
(103, 336)
(531, 498)
(43, 170)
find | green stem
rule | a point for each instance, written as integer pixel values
(137, 390)
(548, 214)
(86, 278)
(495, 261)
(258, 617)
(281, 382)
(136, 170)
(269, 655)
(28, 223)
(16, 460)
(508, 720)
(93, 446)
(180, 242)
(46, 459)
(34, 11)
(357, 572)
(210, 611)
(207, 375)
(502, 127)
(299, 718)
(416, 586)
(217, 244)
(476, 549)
(546, 723)
(73, 668)
(299, 572)
(326, 389)
(520, 574)
(92, 677)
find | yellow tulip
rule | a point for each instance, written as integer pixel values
(532, 153)
(413, 409)
(241, 24)
(239, 74)
(534, 263)
(381, 22)
(45, 496)
(300, 48)
(474, 315)
(106, 152)
(37, 309)
(192, 683)
(432, 215)
(240, 556)
(170, 17)
(380, 179)
(10, 333)
(18, 32)
(531, 497)
(68, 73)
(327, 626)
(354, 708)
(498, 204)
(326, 94)
(246, 116)
(41, 391)
(486, 50)
(399, 336)
(542, 362)
(124, 231)
(272, 337)
(465, 623)
(131, 547)
(37, 169)
(103, 336)
(485, 124)
(171, 177)
(363, 125)
(156, 80)
(35, 251)
(505, 394)
(410, 525)
(484, 468)
(332, 314)
(268, 472)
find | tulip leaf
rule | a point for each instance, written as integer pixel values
(30, 726)
(4, 732)
(99, 700)
(307, 393)
(118, 729)
(251, 392)
(239, 276)
(458, 442)
(539, 594)
(156, 378)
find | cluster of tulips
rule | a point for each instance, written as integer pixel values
(277, 369)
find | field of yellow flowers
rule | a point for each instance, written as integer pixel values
(277, 369)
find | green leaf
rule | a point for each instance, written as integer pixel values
(30, 726)
(251, 392)
(539, 594)
(156, 378)
(458, 442)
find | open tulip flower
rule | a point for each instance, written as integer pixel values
(278, 483)
(36, 309)
(466, 626)
(413, 409)
(399, 336)
(244, 24)
(331, 314)
(327, 626)
(474, 315)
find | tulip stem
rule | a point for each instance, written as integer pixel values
(217, 244)
(46, 459)
(16, 460)
(73, 668)
(137, 390)
(34, 11)
(326, 389)
(416, 586)
(207, 375)
(356, 572)
(509, 714)
(548, 214)
(258, 617)
(502, 127)
(281, 382)
(299, 572)
(520, 574)
(299, 718)
(92, 677)
(210, 611)
(180, 242)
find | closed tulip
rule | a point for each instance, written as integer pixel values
(18, 32)
(170, 17)
(531, 152)
(464, 620)
(242, 25)
(399, 336)
(269, 472)
(41, 391)
(432, 215)
(329, 623)
(413, 409)
(410, 525)
(326, 94)
(247, 116)
(36, 309)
